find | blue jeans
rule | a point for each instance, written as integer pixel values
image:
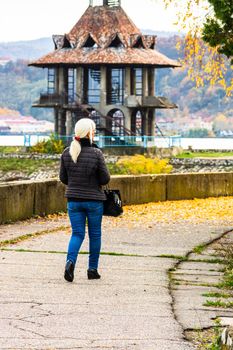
(80, 213)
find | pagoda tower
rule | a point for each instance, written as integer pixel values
(104, 68)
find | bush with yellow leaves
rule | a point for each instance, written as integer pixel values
(140, 164)
(52, 146)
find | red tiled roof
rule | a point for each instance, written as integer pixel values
(103, 22)
(106, 56)
(102, 25)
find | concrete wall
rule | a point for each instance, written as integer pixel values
(21, 200)
(189, 186)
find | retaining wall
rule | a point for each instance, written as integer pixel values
(21, 200)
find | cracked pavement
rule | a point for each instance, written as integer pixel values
(131, 307)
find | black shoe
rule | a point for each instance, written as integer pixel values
(92, 274)
(69, 271)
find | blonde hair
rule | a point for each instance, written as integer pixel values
(82, 128)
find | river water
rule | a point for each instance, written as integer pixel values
(161, 142)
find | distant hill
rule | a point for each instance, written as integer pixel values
(20, 85)
(32, 49)
(28, 50)
(162, 34)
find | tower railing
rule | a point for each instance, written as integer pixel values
(112, 3)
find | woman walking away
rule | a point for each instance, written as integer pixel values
(84, 171)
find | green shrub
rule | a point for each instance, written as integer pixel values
(11, 149)
(140, 164)
(53, 146)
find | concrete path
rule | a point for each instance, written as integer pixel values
(131, 307)
(195, 281)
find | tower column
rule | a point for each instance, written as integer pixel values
(127, 116)
(61, 81)
(62, 123)
(152, 122)
(103, 86)
(145, 81)
(127, 82)
(145, 124)
(151, 82)
(79, 84)
(69, 125)
(103, 93)
(55, 121)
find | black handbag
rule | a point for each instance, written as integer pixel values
(113, 203)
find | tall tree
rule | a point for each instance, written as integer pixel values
(218, 28)
(208, 44)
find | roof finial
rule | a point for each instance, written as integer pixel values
(110, 3)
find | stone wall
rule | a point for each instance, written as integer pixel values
(189, 165)
(21, 200)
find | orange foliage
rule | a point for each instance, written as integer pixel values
(8, 112)
(204, 63)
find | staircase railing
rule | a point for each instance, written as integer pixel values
(89, 108)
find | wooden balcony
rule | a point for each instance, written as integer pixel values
(134, 101)
(49, 100)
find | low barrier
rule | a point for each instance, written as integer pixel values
(21, 200)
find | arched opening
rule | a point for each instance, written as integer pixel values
(136, 122)
(116, 125)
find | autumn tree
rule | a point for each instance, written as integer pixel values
(208, 43)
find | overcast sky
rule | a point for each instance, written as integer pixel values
(33, 19)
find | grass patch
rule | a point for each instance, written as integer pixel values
(227, 282)
(194, 284)
(219, 303)
(171, 256)
(25, 165)
(12, 149)
(199, 249)
(209, 339)
(204, 154)
(226, 252)
(217, 295)
(208, 261)
(30, 235)
(21, 250)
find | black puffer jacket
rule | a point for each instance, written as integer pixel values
(84, 178)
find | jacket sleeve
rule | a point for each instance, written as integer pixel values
(102, 170)
(63, 173)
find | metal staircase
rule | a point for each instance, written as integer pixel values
(95, 74)
(86, 110)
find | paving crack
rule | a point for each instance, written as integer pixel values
(171, 280)
(31, 235)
